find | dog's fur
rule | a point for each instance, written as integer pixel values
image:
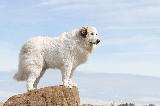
(65, 53)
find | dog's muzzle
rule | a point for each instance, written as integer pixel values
(97, 41)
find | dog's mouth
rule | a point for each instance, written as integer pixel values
(97, 41)
(93, 43)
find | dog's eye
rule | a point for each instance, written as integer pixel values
(96, 34)
(92, 33)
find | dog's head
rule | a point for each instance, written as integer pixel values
(90, 35)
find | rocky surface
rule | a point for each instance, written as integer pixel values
(1, 104)
(49, 96)
(87, 105)
(91, 105)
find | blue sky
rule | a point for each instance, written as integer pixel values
(129, 31)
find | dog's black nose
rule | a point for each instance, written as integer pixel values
(97, 41)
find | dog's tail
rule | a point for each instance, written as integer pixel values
(19, 76)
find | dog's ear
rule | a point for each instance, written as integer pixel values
(83, 32)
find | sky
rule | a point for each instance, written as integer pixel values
(129, 31)
(95, 88)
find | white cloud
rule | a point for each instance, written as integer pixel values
(8, 57)
(86, 100)
(2, 6)
(133, 39)
(139, 63)
(148, 99)
(7, 93)
(56, 4)
(137, 43)
(2, 80)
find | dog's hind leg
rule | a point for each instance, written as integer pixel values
(34, 74)
(37, 80)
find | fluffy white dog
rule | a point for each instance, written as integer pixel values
(65, 53)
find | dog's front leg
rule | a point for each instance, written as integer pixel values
(65, 76)
(72, 82)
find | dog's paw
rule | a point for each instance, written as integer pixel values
(72, 83)
(31, 89)
(67, 84)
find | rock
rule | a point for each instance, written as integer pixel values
(1, 104)
(48, 96)
(87, 105)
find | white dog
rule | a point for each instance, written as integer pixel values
(65, 53)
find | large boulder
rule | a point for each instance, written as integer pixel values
(49, 96)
